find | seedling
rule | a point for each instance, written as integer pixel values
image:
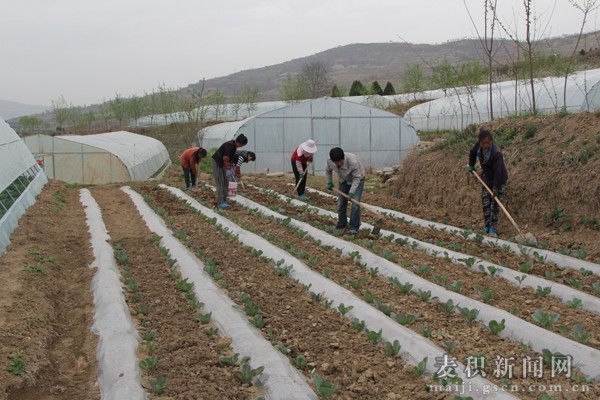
(229, 360)
(425, 331)
(251, 309)
(36, 268)
(282, 348)
(426, 295)
(143, 309)
(374, 271)
(581, 335)
(121, 256)
(585, 272)
(149, 336)
(576, 283)
(405, 288)
(423, 270)
(575, 303)
(327, 272)
(491, 271)
(449, 345)
(355, 255)
(272, 335)
(389, 255)
(300, 362)
(149, 364)
(525, 267)
(441, 279)
(544, 319)
(17, 364)
(158, 385)
(247, 373)
(355, 283)
(539, 258)
(343, 309)
(358, 325)
(543, 291)
(284, 271)
(392, 349)
(258, 321)
(211, 331)
(549, 274)
(406, 319)
(469, 314)
(184, 286)
(520, 279)
(486, 294)
(496, 327)
(324, 389)
(419, 370)
(373, 336)
(455, 286)
(596, 288)
(448, 307)
(48, 259)
(195, 304)
(203, 318)
(133, 285)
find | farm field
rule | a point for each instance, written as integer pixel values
(321, 314)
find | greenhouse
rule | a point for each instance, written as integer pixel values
(509, 98)
(103, 158)
(20, 182)
(379, 138)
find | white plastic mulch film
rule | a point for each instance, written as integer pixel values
(509, 98)
(21, 180)
(97, 159)
(377, 137)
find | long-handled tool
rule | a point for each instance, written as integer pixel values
(303, 178)
(378, 223)
(521, 237)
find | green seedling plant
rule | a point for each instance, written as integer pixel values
(150, 345)
(143, 309)
(229, 360)
(520, 279)
(36, 268)
(211, 331)
(490, 271)
(392, 349)
(419, 370)
(203, 318)
(300, 362)
(355, 255)
(496, 327)
(469, 314)
(405, 288)
(358, 325)
(575, 303)
(17, 364)
(258, 321)
(246, 372)
(284, 271)
(158, 385)
(272, 334)
(282, 348)
(485, 294)
(525, 267)
(469, 262)
(425, 296)
(389, 255)
(441, 279)
(149, 364)
(373, 336)
(374, 271)
(543, 291)
(425, 331)
(539, 258)
(581, 335)
(184, 286)
(356, 283)
(149, 336)
(48, 259)
(423, 270)
(455, 286)
(544, 319)
(133, 285)
(327, 272)
(448, 307)
(323, 388)
(576, 283)
(596, 288)
(384, 308)
(343, 309)
(449, 345)
(251, 309)
(406, 319)
(585, 272)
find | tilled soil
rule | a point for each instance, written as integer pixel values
(446, 329)
(46, 306)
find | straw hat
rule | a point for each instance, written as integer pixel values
(309, 146)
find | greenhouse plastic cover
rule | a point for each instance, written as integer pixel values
(377, 137)
(16, 160)
(459, 111)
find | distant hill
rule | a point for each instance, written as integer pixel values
(12, 109)
(383, 62)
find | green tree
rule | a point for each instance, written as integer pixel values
(376, 88)
(357, 89)
(118, 108)
(218, 100)
(60, 108)
(135, 107)
(105, 113)
(88, 119)
(413, 80)
(248, 97)
(29, 122)
(292, 90)
(389, 89)
(443, 76)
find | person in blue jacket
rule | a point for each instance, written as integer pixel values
(494, 175)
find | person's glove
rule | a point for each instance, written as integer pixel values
(329, 185)
(496, 193)
(470, 168)
(351, 195)
(302, 175)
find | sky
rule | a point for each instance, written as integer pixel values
(90, 50)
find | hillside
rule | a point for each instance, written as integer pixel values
(554, 187)
(12, 109)
(381, 61)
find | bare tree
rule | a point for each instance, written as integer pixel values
(413, 80)
(315, 77)
(487, 43)
(586, 7)
(218, 100)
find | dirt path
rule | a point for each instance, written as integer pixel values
(190, 357)
(46, 305)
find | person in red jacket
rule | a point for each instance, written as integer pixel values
(221, 162)
(188, 160)
(300, 159)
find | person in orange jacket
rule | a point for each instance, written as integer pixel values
(188, 160)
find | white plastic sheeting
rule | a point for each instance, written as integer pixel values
(414, 346)
(96, 159)
(584, 357)
(16, 165)
(509, 98)
(377, 137)
(119, 375)
(280, 380)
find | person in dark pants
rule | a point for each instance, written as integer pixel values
(188, 160)
(351, 181)
(221, 162)
(300, 159)
(494, 175)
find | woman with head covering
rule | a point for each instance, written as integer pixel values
(300, 159)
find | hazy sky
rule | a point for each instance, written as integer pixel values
(90, 50)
